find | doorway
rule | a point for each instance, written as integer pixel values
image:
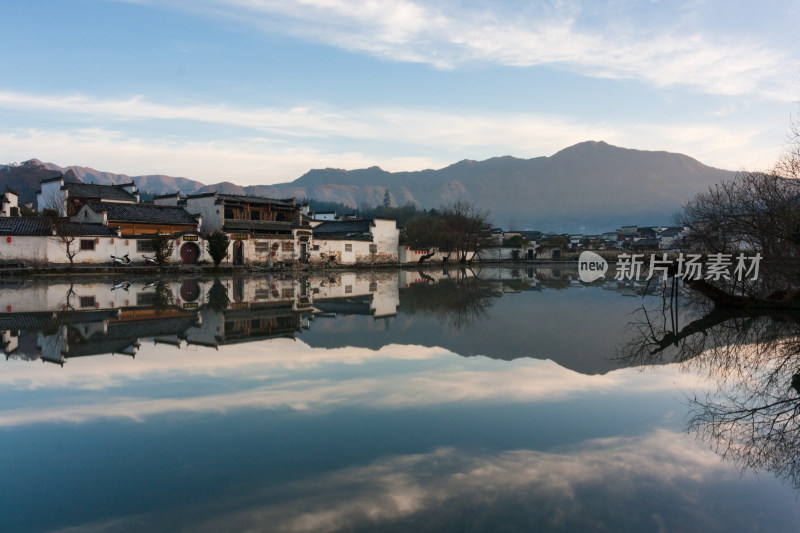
(238, 253)
(190, 253)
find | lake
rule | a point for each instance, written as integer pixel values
(439, 400)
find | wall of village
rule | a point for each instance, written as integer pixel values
(346, 251)
(261, 250)
(40, 250)
(386, 238)
(504, 253)
(410, 255)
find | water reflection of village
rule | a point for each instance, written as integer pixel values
(56, 320)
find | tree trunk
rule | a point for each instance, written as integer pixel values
(776, 300)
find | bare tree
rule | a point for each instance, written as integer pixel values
(470, 227)
(756, 212)
(52, 209)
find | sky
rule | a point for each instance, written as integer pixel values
(261, 91)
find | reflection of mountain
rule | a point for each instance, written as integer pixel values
(498, 313)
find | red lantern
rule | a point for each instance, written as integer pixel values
(97, 240)
(8, 239)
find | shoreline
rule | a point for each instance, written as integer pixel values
(115, 271)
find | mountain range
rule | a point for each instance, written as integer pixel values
(591, 185)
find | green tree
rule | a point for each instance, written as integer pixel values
(162, 248)
(217, 246)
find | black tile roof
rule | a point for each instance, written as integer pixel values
(93, 190)
(257, 225)
(43, 227)
(671, 232)
(168, 195)
(344, 226)
(261, 200)
(156, 214)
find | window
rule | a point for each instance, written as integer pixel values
(348, 247)
(348, 289)
(144, 245)
(87, 301)
(315, 247)
(145, 298)
(87, 245)
(228, 212)
(255, 215)
(262, 294)
(373, 248)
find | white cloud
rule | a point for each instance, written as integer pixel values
(266, 148)
(450, 34)
(245, 161)
(286, 374)
(585, 487)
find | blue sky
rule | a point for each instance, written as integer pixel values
(260, 91)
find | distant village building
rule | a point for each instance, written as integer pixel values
(9, 203)
(68, 198)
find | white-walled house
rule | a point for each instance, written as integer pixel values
(138, 223)
(68, 198)
(362, 241)
(262, 230)
(40, 241)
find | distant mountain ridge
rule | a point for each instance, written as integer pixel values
(154, 184)
(591, 184)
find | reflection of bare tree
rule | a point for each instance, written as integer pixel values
(459, 301)
(752, 414)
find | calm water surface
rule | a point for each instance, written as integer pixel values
(496, 400)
